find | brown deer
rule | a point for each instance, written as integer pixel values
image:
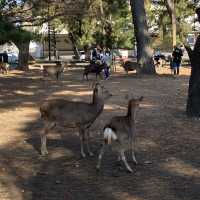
(69, 114)
(96, 68)
(119, 133)
(4, 67)
(53, 71)
(129, 65)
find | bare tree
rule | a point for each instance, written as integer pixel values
(144, 51)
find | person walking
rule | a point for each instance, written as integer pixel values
(177, 57)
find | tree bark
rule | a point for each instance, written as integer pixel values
(193, 100)
(144, 51)
(170, 4)
(75, 48)
(23, 57)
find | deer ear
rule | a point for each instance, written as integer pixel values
(141, 98)
(126, 96)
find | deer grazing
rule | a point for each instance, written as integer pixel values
(131, 66)
(119, 133)
(69, 114)
(93, 68)
(53, 71)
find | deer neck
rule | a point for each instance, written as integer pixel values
(131, 113)
(98, 103)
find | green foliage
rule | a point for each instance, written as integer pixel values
(110, 28)
(9, 32)
(159, 17)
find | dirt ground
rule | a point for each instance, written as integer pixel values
(167, 142)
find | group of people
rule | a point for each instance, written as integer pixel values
(102, 55)
(174, 59)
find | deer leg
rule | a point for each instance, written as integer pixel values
(43, 145)
(134, 158)
(87, 142)
(123, 157)
(102, 151)
(133, 153)
(43, 137)
(82, 135)
(118, 158)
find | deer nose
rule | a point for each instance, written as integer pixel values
(109, 94)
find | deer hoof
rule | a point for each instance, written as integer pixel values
(44, 152)
(97, 168)
(136, 162)
(83, 155)
(91, 154)
(129, 170)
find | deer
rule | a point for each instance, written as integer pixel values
(119, 134)
(93, 68)
(53, 70)
(70, 114)
(4, 67)
(131, 66)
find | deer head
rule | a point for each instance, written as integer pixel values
(133, 106)
(101, 92)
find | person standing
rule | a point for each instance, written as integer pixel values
(5, 57)
(177, 57)
(108, 62)
(95, 55)
(157, 55)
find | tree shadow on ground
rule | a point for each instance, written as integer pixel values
(29, 88)
(167, 150)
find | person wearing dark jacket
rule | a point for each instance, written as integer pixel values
(177, 57)
(5, 57)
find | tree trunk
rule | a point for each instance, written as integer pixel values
(144, 51)
(193, 101)
(75, 48)
(170, 4)
(23, 57)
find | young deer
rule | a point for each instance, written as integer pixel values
(119, 133)
(81, 115)
(93, 68)
(4, 67)
(131, 66)
(53, 71)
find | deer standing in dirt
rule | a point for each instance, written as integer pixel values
(4, 67)
(69, 114)
(119, 133)
(94, 68)
(53, 71)
(129, 65)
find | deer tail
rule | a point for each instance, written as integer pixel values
(109, 135)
